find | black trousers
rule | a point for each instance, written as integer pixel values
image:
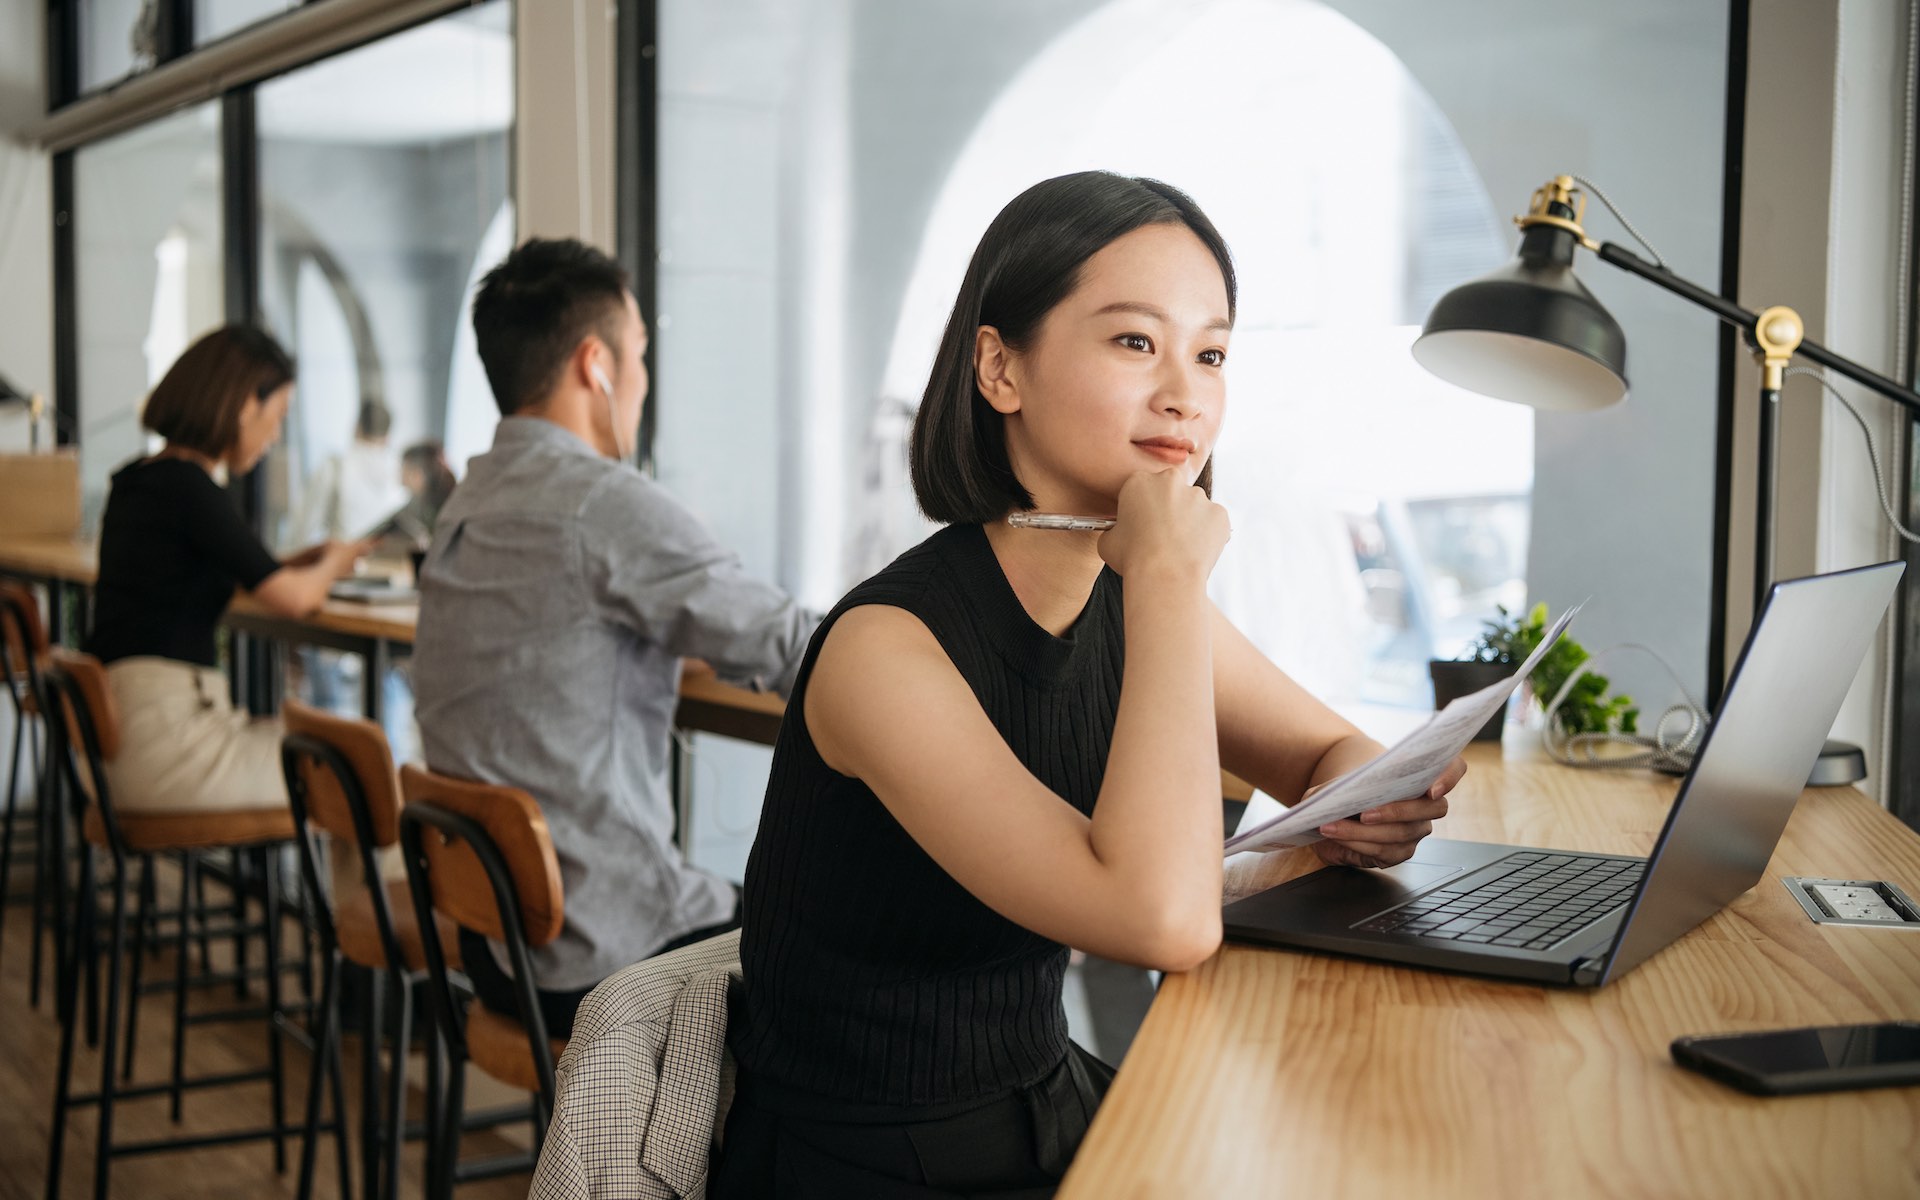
(790, 1146)
(495, 988)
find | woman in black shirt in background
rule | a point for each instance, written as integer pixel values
(172, 550)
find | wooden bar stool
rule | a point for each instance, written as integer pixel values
(83, 739)
(341, 781)
(481, 855)
(23, 652)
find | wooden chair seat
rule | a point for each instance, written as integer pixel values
(498, 1046)
(359, 930)
(152, 832)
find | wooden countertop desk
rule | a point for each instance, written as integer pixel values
(69, 560)
(1278, 1073)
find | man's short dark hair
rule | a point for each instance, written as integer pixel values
(1028, 261)
(535, 307)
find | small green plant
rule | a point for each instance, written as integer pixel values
(1587, 708)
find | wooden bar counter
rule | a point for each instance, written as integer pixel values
(1278, 1073)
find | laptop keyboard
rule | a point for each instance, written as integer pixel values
(1545, 898)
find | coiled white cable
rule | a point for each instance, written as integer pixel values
(1665, 749)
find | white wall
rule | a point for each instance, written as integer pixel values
(26, 257)
(1864, 319)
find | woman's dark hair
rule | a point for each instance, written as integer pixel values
(1028, 261)
(430, 459)
(197, 404)
(535, 307)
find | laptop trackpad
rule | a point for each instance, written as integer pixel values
(1334, 892)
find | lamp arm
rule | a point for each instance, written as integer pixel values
(1733, 314)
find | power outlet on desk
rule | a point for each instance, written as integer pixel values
(1868, 903)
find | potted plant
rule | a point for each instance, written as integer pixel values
(1500, 649)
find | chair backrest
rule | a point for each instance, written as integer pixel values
(24, 637)
(84, 683)
(363, 751)
(457, 879)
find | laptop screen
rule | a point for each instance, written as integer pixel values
(1786, 689)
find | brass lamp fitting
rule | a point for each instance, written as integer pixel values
(1776, 335)
(1559, 202)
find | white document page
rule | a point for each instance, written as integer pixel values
(1402, 772)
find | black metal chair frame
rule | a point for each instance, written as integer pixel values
(60, 689)
(380, 1142)
(44, 913)
(449, 1017)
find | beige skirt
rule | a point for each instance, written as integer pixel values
(182, 745)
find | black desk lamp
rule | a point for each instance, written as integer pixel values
(1531, 333)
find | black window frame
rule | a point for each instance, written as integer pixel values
(637, 184)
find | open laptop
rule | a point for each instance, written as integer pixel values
(1559, 917)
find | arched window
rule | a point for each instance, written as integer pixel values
(1349, 204)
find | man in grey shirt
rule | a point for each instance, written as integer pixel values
(560, 593)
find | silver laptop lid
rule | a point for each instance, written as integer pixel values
(1786, 689)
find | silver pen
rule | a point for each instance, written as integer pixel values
(1027, 520)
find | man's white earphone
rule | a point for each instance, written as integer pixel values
(613, 421)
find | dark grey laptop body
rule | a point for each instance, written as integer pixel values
(1733, 805)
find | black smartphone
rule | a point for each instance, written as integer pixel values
(1826, 1058)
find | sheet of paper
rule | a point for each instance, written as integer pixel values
(1406, 770)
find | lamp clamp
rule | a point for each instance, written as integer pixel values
(1559, 202)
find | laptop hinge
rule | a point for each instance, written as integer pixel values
(1588, 971)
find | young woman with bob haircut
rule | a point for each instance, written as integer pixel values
(1009, 741)
(173, 548)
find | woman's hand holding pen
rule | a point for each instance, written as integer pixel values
(1167, 526)
(1388, 835)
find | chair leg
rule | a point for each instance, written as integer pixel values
(450, 1114)
(436, 1057)
(89, 919)
(325, 1028)
(396, 1136)
(46, 862)
(370, 1124)
(103, 1148)
(53, 802)
(13, 795)
(141, 919)
(270, 949)
(189, 883)
(200, 907)
(337, 1074)
(241, 873)
(65, 993)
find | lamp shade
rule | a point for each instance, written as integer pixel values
(1529, 332)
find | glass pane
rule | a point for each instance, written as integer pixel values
(826, 169)
(116, 39)
(383, 194)
(148, 276)
(214, 19)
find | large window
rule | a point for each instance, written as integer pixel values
(148, 261)
(383, 197)
(826, 168)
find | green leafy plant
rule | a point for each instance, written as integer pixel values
(1587, 708)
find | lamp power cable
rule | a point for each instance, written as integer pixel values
(1621, 217)
(1880, 488)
